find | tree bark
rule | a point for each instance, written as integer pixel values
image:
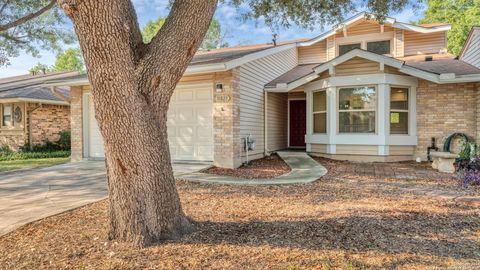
(132, 83)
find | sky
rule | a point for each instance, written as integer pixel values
(237, 32)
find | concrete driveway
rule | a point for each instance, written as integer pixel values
(29, 195)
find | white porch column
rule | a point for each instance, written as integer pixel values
(412, 115)
(331, 119)
(309, 104)
(383, 115)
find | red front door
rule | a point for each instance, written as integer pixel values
(298, 122)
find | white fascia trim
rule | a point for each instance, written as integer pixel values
(359, 53)
(287, 87)
(33, 100)
(421, 29)
(254, 56)
(208, 68)
(443, 78)
(76, 82)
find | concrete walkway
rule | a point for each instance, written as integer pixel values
(32, 194)
(304, 170)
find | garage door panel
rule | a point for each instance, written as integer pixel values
(189, 123)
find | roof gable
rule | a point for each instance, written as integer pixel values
(364, 16)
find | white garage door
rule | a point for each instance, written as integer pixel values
(95, 140)
(190, 124)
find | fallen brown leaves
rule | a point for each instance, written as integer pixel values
(334, 223)
(268, 167)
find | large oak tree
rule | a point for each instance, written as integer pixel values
(132, 83)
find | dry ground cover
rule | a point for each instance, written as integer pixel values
(268, 167)
(339, 222)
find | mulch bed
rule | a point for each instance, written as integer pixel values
(267, 167)
(334, 223)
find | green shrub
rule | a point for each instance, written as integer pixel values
(64, 142)
(34, 155)
(5, 149)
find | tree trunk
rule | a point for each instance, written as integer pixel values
(132, 83)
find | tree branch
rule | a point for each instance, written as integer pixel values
(28, 17)
(178, 39)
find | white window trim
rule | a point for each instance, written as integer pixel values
(392, 47)
(320, 112)
(382, 138)
(375, 110)
(398, 110)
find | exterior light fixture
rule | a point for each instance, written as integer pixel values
(219, 87)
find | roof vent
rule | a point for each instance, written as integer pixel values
(428, 58)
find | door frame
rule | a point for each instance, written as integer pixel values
(288, 123)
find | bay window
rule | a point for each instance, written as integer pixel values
(398, 110)
(320, 112)
(357, 109)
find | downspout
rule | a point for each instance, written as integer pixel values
(265, 127)
(29, 115)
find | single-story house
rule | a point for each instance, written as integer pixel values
(32, 113)
(364, 91)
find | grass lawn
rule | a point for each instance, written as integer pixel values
(30, 163)
(342, 221)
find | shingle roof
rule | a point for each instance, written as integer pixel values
(293, 74)
(31, 86)
(442, 66)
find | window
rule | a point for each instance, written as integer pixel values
(380, 47)
(357, 107)
(343, 49)
(398, 110)
(7, 115)
(320, 112)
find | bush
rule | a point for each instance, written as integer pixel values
(34, 155)
(63, 144)
(467, 165)
(65, 140)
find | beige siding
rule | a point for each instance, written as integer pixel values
(277, 121)
(297, 95)
(316, 53)
(398, 43)
(401, 150)
(357, 149)
(356, 66)
(362, 28)
(420, 43)
(392, 70)
(330, 48)
(471, 54)
(319, 148)
(252, 78)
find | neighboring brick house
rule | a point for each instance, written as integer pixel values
(361, 91)
(32, 113)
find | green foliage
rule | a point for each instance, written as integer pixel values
(462, 14)
(40, 68)
(46, 32)
(5, 150)
(65, 139)
(469, 151)
(70, 60)
(314, 13)
(213, 38)
(33, 155)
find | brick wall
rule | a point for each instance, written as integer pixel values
(76, 122)
(443, 110)
(226, 123)
(48, 121)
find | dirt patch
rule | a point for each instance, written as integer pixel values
(267, 167)
(334, 223)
